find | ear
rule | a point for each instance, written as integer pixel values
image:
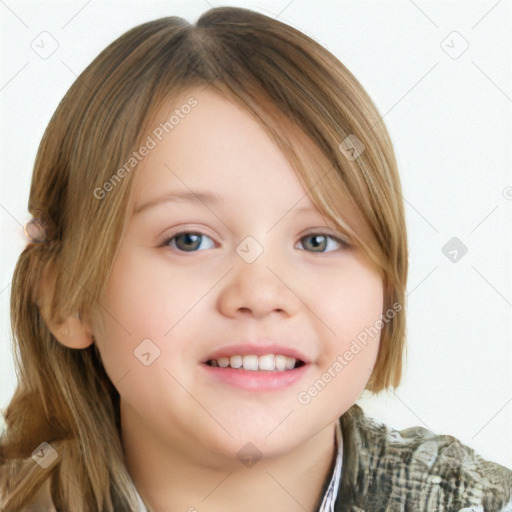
(72, 331)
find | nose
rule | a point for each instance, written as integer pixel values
(258, 289)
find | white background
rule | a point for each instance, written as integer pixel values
(450, 121)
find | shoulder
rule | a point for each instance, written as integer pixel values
(385, 468)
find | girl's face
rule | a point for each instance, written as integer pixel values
(251, 269)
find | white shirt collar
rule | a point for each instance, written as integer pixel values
(332, 491)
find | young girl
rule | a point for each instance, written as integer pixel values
(216, 271)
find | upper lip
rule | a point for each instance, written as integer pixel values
(259, 349)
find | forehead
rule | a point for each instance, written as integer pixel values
(215, 146)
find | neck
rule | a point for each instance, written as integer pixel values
(171, 475)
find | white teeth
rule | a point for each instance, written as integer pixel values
(290, 363)
(269, 362)
(235, 361)
(250, 363)
(223, 362)
(281, 363)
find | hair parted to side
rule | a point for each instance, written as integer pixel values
(308, 102)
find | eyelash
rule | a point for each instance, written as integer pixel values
(167, 242)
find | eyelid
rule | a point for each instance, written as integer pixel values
(180, 229)
(328, 232)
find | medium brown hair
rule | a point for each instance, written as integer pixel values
(308, 102)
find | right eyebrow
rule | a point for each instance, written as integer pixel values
(203, 197)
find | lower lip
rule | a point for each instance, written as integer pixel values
(257, 380)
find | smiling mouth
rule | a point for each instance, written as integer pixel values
(268, 362)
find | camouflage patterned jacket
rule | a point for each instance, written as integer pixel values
(415, 470)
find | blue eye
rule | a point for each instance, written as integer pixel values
(186, 241)
(320, 241)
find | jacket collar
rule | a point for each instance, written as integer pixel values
(350, 428)
(350, 435)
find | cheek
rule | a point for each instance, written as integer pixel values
(147, 296)
(132, 309)
(350, 318)
(351, 312)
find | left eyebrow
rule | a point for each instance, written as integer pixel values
(203, 197)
